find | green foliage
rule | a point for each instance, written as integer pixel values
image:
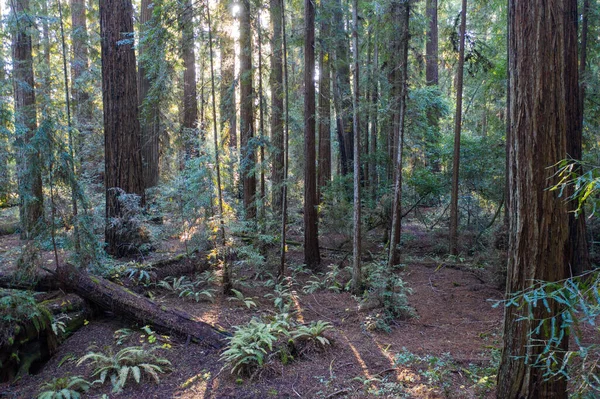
(128, 363)
(239, 297)
(250, 346)
(579, 301)
(328, 281)
(17, 308)
(312, 333)
(390, 291)
(64, 388)
(187, 288)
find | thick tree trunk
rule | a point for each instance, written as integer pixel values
(247, 112)
(324, 104)
(82, 108)
(432, 79)
(5, 117)
(356, 236)
(453, 242)
(431, 47)
(190, 101)
(342, 93)
(149, 118)
(276, 80)
(579, 250)
(543, 104)
(312, 257)
(112, 297)
(228, 84)
(374, 117)
(29, 167)
(122, 139)
(404, 19)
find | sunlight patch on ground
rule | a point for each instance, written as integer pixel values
(358, 357)
(299, 310)
(403, 374)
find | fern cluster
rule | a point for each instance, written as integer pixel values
(131, 362)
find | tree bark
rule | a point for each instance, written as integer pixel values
(453, 236)
(228, 84)
(579, 249)
(150, 114)
(5, 116)
(29, 162)
(247, 112)
(356, 237)
(543, 104)
(402, 86)
(342, 93)
(431, 47)
(324, 104)
(312, 257)
(276, 81)
(122, 138)
(190, 101)
(112, 297)
(432, 79)
(82, 107)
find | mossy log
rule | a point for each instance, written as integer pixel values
(179, 265)
(121, 301)
(43, 283)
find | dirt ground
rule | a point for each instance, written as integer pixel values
(455, 325)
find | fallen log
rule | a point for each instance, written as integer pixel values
(178, 265)
(121, 301)
(44, 283)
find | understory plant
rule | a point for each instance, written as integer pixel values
(255, 344)
(128, 363)
(391, 292)
(64, 388)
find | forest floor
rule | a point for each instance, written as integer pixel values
(448, 350)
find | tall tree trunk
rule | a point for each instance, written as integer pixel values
(432, 79)
(276, 81)
(284, 201)
(457, 128)
(324, 103)
(150, 121)
(190, 100)
(543, 104)
(247, 112)
(342, 93)
(29, 163)
(122, 136)
(579, 250)
(431, 47)
(261, 126)
(5, 116)
(226, 270)
(373, 175)
(312, 257)
(404, 19)
(356, 237)
(227, 85)
(82, 107)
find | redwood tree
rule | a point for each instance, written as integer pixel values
(190, 100)
(28, 168)
(150, 121)
(247, 112)
(276, 80)
(543, 92)
(227, 85)
(122, 136)
(324, 102)
(457, 130)
(312, 257)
